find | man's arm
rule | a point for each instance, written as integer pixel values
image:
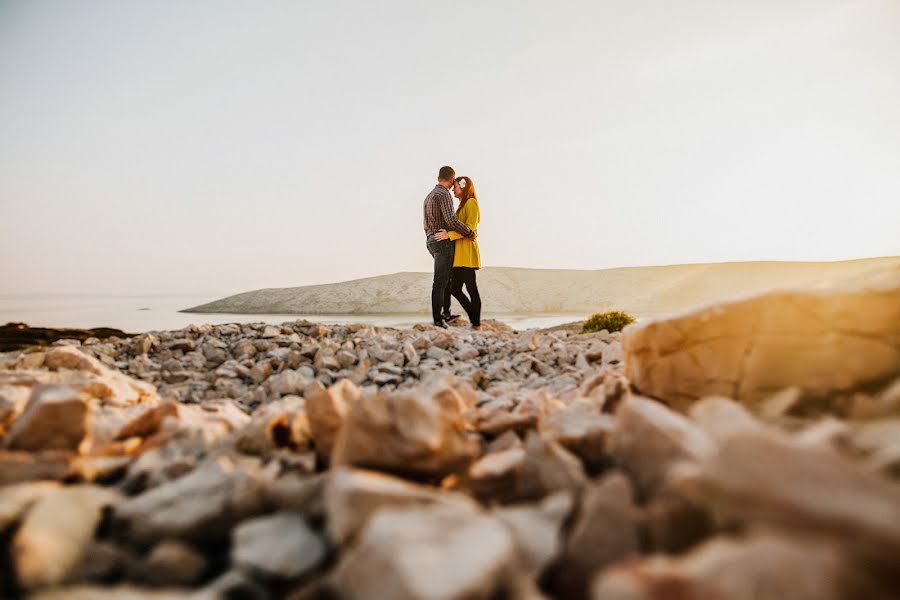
(450, 219)
(473, 216)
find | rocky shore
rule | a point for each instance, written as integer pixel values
(749, 449)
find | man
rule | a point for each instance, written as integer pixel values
(439, 215)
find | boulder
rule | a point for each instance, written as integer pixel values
(824, 340)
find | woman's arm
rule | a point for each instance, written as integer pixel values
(473, 216)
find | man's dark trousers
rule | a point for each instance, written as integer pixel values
(442, 252)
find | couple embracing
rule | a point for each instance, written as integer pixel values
(451, 240)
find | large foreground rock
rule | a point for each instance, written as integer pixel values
(824, 340)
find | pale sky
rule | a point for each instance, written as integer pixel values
(196, 146)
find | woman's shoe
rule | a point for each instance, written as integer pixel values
(450, 318)
(440, 324)
(476, 327)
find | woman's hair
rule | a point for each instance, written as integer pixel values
(468, 191)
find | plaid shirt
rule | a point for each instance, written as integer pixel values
(439, 213)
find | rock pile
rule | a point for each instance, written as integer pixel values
(303, 461)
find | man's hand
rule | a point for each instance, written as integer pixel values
(474, 235)
(441, 235)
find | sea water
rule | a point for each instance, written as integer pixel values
(136, 313)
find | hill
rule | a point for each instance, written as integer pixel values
(642, 291)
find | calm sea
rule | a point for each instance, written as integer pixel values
(155, 313)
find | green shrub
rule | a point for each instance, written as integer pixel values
(614, 320)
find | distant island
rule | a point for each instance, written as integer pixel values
(642, 291)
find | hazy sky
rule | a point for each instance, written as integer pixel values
(182, 146)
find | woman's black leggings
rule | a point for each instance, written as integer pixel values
(472, 305)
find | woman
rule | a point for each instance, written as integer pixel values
(466, 258)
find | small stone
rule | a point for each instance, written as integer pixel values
(280, 546)
(244, 349)
(326, 411)
(183, 344)
(54, 419)
(326, 360)
(15, 499)
(437, 353)
(605, 532)
(48, 546)
(345, 358)
(722, 417)
(764, 479)
(431, 553)
(19, 467)
(526, 341)
(287, 383)
(172, 562)
(418, 431)
(530, 472)
(200, 504)
(260, 372)
(467, 353)
(764, 567)
(412, 356)
(68, 357)
(353, 495)
(537, 530)
(648, 439)
(582, 429)
(13, 400)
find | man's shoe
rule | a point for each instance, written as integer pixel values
(440, 324)
(450, 318)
